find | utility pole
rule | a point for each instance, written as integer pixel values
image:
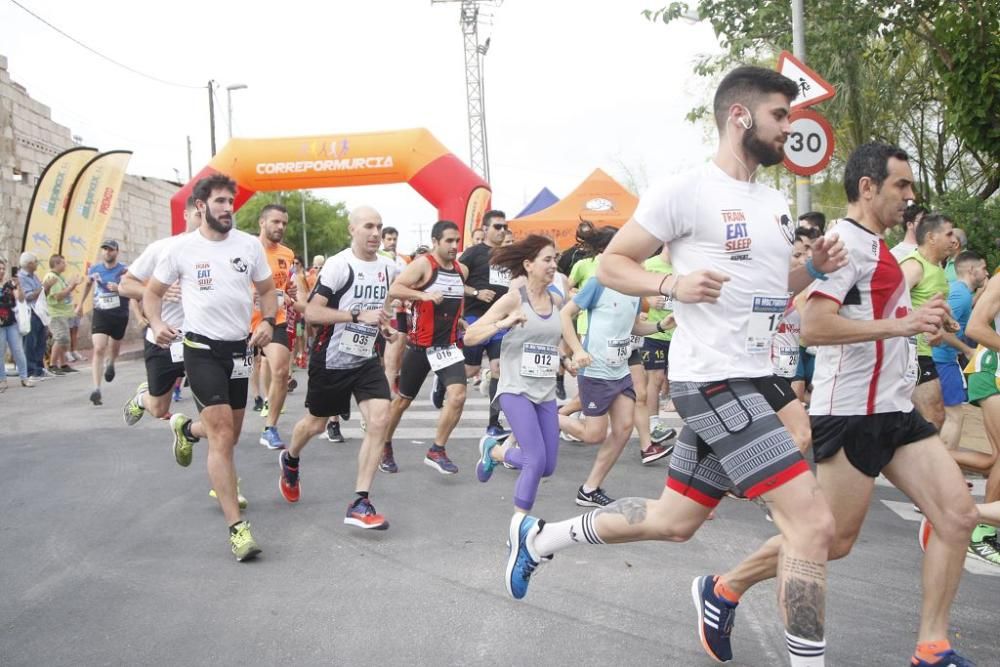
(803, 197)
(475, 51)
(190, 173)
(305, 238)
(211, 113)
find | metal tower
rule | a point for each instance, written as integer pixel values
(470, 19)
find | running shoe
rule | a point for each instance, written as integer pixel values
(944, 659)
(924, 533)
(569, 437)
(95, 397)
(55, 371)
(497, 432)
(134, 409)
(560, 388)
(68, 369)
(292, 385)
(715, 618)
(654, 453)
(265, 409)
(345, 416)
(596, 498)
(439, 461)
(484, 469)
(109, 372)
(521, 557)
(183, 447)
(388, 462)
(177, 394)
(258, 403)
(333, 432)
(661, 432)
(269, 438)
(361, 513)
(244, 546)
(288, 483)
(240, 498)
(437, 393)
(982, 547)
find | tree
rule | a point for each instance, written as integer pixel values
(918, 73)
(326, 223)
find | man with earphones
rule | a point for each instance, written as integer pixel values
(730, 241)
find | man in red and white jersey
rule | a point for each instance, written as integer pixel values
(863, 422)
(435, 283)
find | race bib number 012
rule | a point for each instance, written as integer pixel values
(358, 340)
(539, 361)
(765, 316)
(442, 357)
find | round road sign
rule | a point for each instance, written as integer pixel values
(810, 145)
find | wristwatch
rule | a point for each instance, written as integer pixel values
(270, 320)
(475, 292)
(355, 311)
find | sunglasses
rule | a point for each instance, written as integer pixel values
(495, 226)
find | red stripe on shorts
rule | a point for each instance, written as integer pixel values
(692, 493)
(777, 479)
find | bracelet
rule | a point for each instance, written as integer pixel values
(659, 329)
(660, 290)
(813, 271)
(672, 294)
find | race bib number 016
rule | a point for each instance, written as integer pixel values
(539, 361)
(765, 316)
(442, 357)
(358, 340)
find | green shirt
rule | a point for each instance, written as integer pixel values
(933, 282)
(658, 265)
(58, 307)
(581, 272)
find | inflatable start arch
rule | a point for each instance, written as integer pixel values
(296, 163)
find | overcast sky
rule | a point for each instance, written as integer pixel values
(570, 85)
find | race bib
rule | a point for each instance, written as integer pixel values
(358, 340)
(281, 298)
(499, 276)
(912, 365)
(786, 361)
(765, 316)
(107, 301)
(177, 352)
(442, 357)
(539, 361)
(618, 351)
(242, 365)
(635, 343)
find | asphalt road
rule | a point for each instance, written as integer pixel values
(114, 555)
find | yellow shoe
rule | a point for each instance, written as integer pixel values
(239, 496)
(244, 546)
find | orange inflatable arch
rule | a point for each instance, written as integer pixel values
(329, 161)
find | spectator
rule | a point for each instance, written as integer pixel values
(813, 220)
(34, 342)
(59, 297)
(580, 251)
(10, 336)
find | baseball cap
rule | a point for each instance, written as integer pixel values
(110, 243)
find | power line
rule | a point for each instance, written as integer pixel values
(98, 53)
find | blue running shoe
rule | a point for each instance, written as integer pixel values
(177, 394)
(497, 432)
(715, 619)
(484, 469)
(269, 438)
(945, 659)
(521, 559)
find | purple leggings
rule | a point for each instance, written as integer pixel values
(536, 428)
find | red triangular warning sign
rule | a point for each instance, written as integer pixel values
(812, 87)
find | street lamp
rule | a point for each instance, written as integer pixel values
(229, 103)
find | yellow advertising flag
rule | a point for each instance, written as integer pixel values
(47, 212)
(90, 206)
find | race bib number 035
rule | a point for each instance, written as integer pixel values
(539, 361)
(442, 357)
(358, 340)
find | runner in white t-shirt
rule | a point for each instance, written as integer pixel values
(863, 421)
(216, 266)
(349, 305)
(730, 243)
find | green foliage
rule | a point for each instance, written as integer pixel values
(980, 220)
(923, 74)
(326, 223)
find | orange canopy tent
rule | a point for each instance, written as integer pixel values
(600, 199)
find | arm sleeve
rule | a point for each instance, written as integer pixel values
(667, 211)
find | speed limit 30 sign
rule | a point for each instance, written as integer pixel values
(810, 144)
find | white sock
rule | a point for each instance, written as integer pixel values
(805, 652)
(563, 534)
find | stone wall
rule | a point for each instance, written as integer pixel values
(29, 139)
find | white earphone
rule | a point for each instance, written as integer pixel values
(746, 122)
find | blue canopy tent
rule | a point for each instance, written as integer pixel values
(542, 200)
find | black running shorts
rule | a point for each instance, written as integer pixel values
(209, 367)
(731, 439)
(654, 354)
(928, 371)
(161, 371)
(868, 441)
(415, 368)
(330, 390)
(776, 391)
(111, 325)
